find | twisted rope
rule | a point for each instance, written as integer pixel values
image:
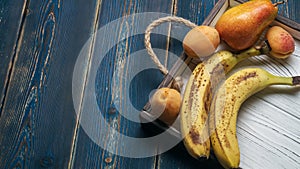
(154, 24)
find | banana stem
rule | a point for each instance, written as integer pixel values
(296, 80)
(248, 53)
(280, 80)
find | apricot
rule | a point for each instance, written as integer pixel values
(201, 41)
(166, 104)
(281, 42)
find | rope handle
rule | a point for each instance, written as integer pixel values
(178, 82)
(154, 24)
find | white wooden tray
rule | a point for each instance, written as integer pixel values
(268, 126)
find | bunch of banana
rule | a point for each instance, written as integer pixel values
(208, 117)
(225, 106)
(197, 98)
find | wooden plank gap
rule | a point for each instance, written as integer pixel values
(77, 125)
(15, 52)
(173, 13)
(157, 161)
(175, 7)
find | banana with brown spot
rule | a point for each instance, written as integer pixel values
(197, 98)
(226, 104)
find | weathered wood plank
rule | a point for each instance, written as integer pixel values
(118, 96)
(38, 119)
(290, 9)
(10, 26)
(268, 122)
(195, 11)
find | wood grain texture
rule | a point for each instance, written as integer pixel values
(195, 11)
(268, 122)
(117, 95)
(38, 119)
(290, 10)
(39, 126)
(10, 27)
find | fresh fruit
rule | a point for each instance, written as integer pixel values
(165, 103)
(281, 42)
(201, 41)
(241, 26)
(226, 104)
(197, 97)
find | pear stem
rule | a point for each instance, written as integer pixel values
(263, 47)
(278, 3)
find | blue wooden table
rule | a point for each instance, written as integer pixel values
(41, 104)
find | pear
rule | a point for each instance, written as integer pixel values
(242, 25)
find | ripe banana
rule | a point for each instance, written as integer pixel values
(197, 98)
(225, 106)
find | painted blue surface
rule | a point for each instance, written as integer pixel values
(39, 45)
